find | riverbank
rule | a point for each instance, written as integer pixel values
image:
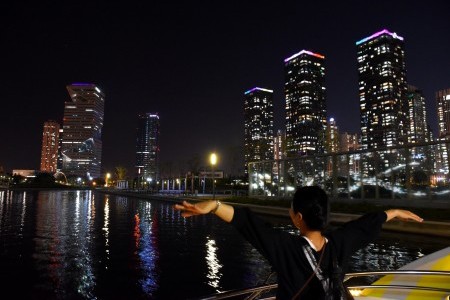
(428, 227)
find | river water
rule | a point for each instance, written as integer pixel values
(89, 245)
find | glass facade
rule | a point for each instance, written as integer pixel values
(443, 108)
(81, 147)
(418, 131)
(147, 149)
(305, 97)
(382, 90)
(258, 125)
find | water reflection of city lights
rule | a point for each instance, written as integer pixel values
(106, 228)
(22, 217)
(145, 233)
(85, 278)
(213, 263)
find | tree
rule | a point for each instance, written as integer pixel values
(121, 173)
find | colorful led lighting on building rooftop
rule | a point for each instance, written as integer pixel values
(258, 89)
(81, 83)
(304, 52)
(384, 31)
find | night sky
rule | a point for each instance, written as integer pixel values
(191, 62)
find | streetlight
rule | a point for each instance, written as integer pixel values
(108, 175)
(213, 161)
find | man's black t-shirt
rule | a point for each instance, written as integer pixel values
(284, 250)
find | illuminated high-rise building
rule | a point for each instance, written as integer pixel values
(382, 90)
(147, 149)
(332, 137)
(59, 163)
(305, 96)
(258, 125)
(443, 111)
(82, 131)
(279, 145)
(50, 146)
(349, 142)
(417, 130)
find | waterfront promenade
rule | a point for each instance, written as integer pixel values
(428, 227)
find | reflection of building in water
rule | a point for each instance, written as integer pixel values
(106, 228)
(82, 131)
(63, 243)
(213, 264)
(146, 237)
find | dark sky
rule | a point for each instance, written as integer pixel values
(192, 61)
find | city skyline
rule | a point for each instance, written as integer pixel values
(192, 64)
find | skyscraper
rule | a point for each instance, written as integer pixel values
(50, 145)
(382, 90)
(82, 131)
(305, 103)
(443, 110)
(349, 142)
(279, 145)
(147, 149)
(417, 129)
(258, 125)
(332, 137)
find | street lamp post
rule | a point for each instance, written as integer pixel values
(108, 176)
(213, 161)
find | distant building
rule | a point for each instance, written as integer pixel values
(382, 90)
(82, 131)
(305, 103)
(147, 149)
(332, 137)
(417, 130)
(258, 125)
(443, 111)
(50, 145)
(349, 142)
(59, 164)
(279, 145)
(25, 173)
